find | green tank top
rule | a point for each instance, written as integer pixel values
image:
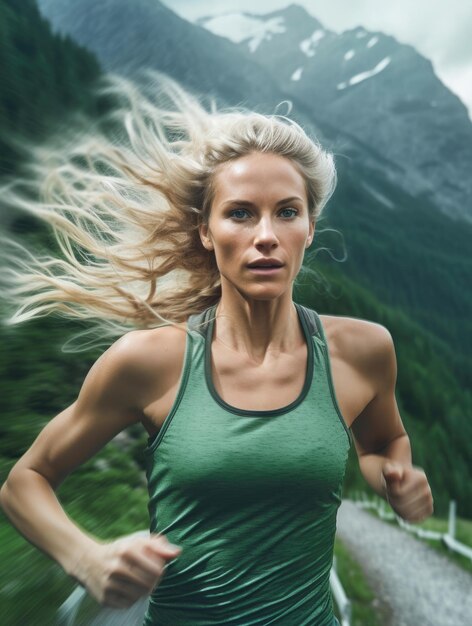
(250, 496)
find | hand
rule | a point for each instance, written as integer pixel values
(117, 574)
(407, 491)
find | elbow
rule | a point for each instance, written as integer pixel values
(4, 496)
(14, 483)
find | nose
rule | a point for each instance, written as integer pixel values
(265, 236)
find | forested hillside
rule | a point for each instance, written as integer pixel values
(43, 76)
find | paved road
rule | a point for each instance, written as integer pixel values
(420, 586)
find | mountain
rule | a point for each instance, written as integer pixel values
(368, 84)
(293, 25)
(128, 36)
(398, 242)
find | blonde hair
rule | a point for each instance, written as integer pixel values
(125, 198)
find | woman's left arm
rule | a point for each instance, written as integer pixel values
(381, 441)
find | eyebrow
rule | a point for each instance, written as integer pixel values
(248, 203)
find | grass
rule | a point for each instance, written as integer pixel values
(28, 576)
(363, 599)
(107, 504)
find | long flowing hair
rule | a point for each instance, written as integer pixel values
(124, 197)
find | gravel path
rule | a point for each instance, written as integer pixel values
(420, 586)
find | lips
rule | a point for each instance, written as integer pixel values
(265, 263)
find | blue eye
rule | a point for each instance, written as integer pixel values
(241, 214)
(238, 213)
(288, 212)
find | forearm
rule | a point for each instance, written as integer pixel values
(398, 450)
(30, 503)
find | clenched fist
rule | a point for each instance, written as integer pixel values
(117, 574)
(407, 491)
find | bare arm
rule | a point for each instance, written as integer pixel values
(29, 501)
(381, 441)
(109, 401)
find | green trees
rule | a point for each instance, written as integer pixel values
(43, 76)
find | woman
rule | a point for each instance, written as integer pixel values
(201, 220)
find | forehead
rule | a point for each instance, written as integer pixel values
(257, 177)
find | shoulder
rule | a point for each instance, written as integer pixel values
(139, 358)
(367, 346)
(138, 366)
(352, 329)
(142, 352)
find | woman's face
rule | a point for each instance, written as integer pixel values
(259, 225)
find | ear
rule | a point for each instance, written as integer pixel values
(205, 236)
(311, 234)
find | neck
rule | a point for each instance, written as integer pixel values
(258, 327)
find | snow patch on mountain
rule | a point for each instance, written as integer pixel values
(273, 26)
(297, 74)
(308, 45)
(358, 78)
(239, 27)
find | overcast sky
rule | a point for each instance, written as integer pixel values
(441, 30)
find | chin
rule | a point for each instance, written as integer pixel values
(260, 291)
(263, 293)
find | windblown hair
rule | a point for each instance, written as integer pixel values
(125, 206)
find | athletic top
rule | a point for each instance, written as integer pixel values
(250, 496)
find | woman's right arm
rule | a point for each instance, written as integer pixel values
(111, 398)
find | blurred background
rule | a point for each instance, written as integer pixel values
(390, 93)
